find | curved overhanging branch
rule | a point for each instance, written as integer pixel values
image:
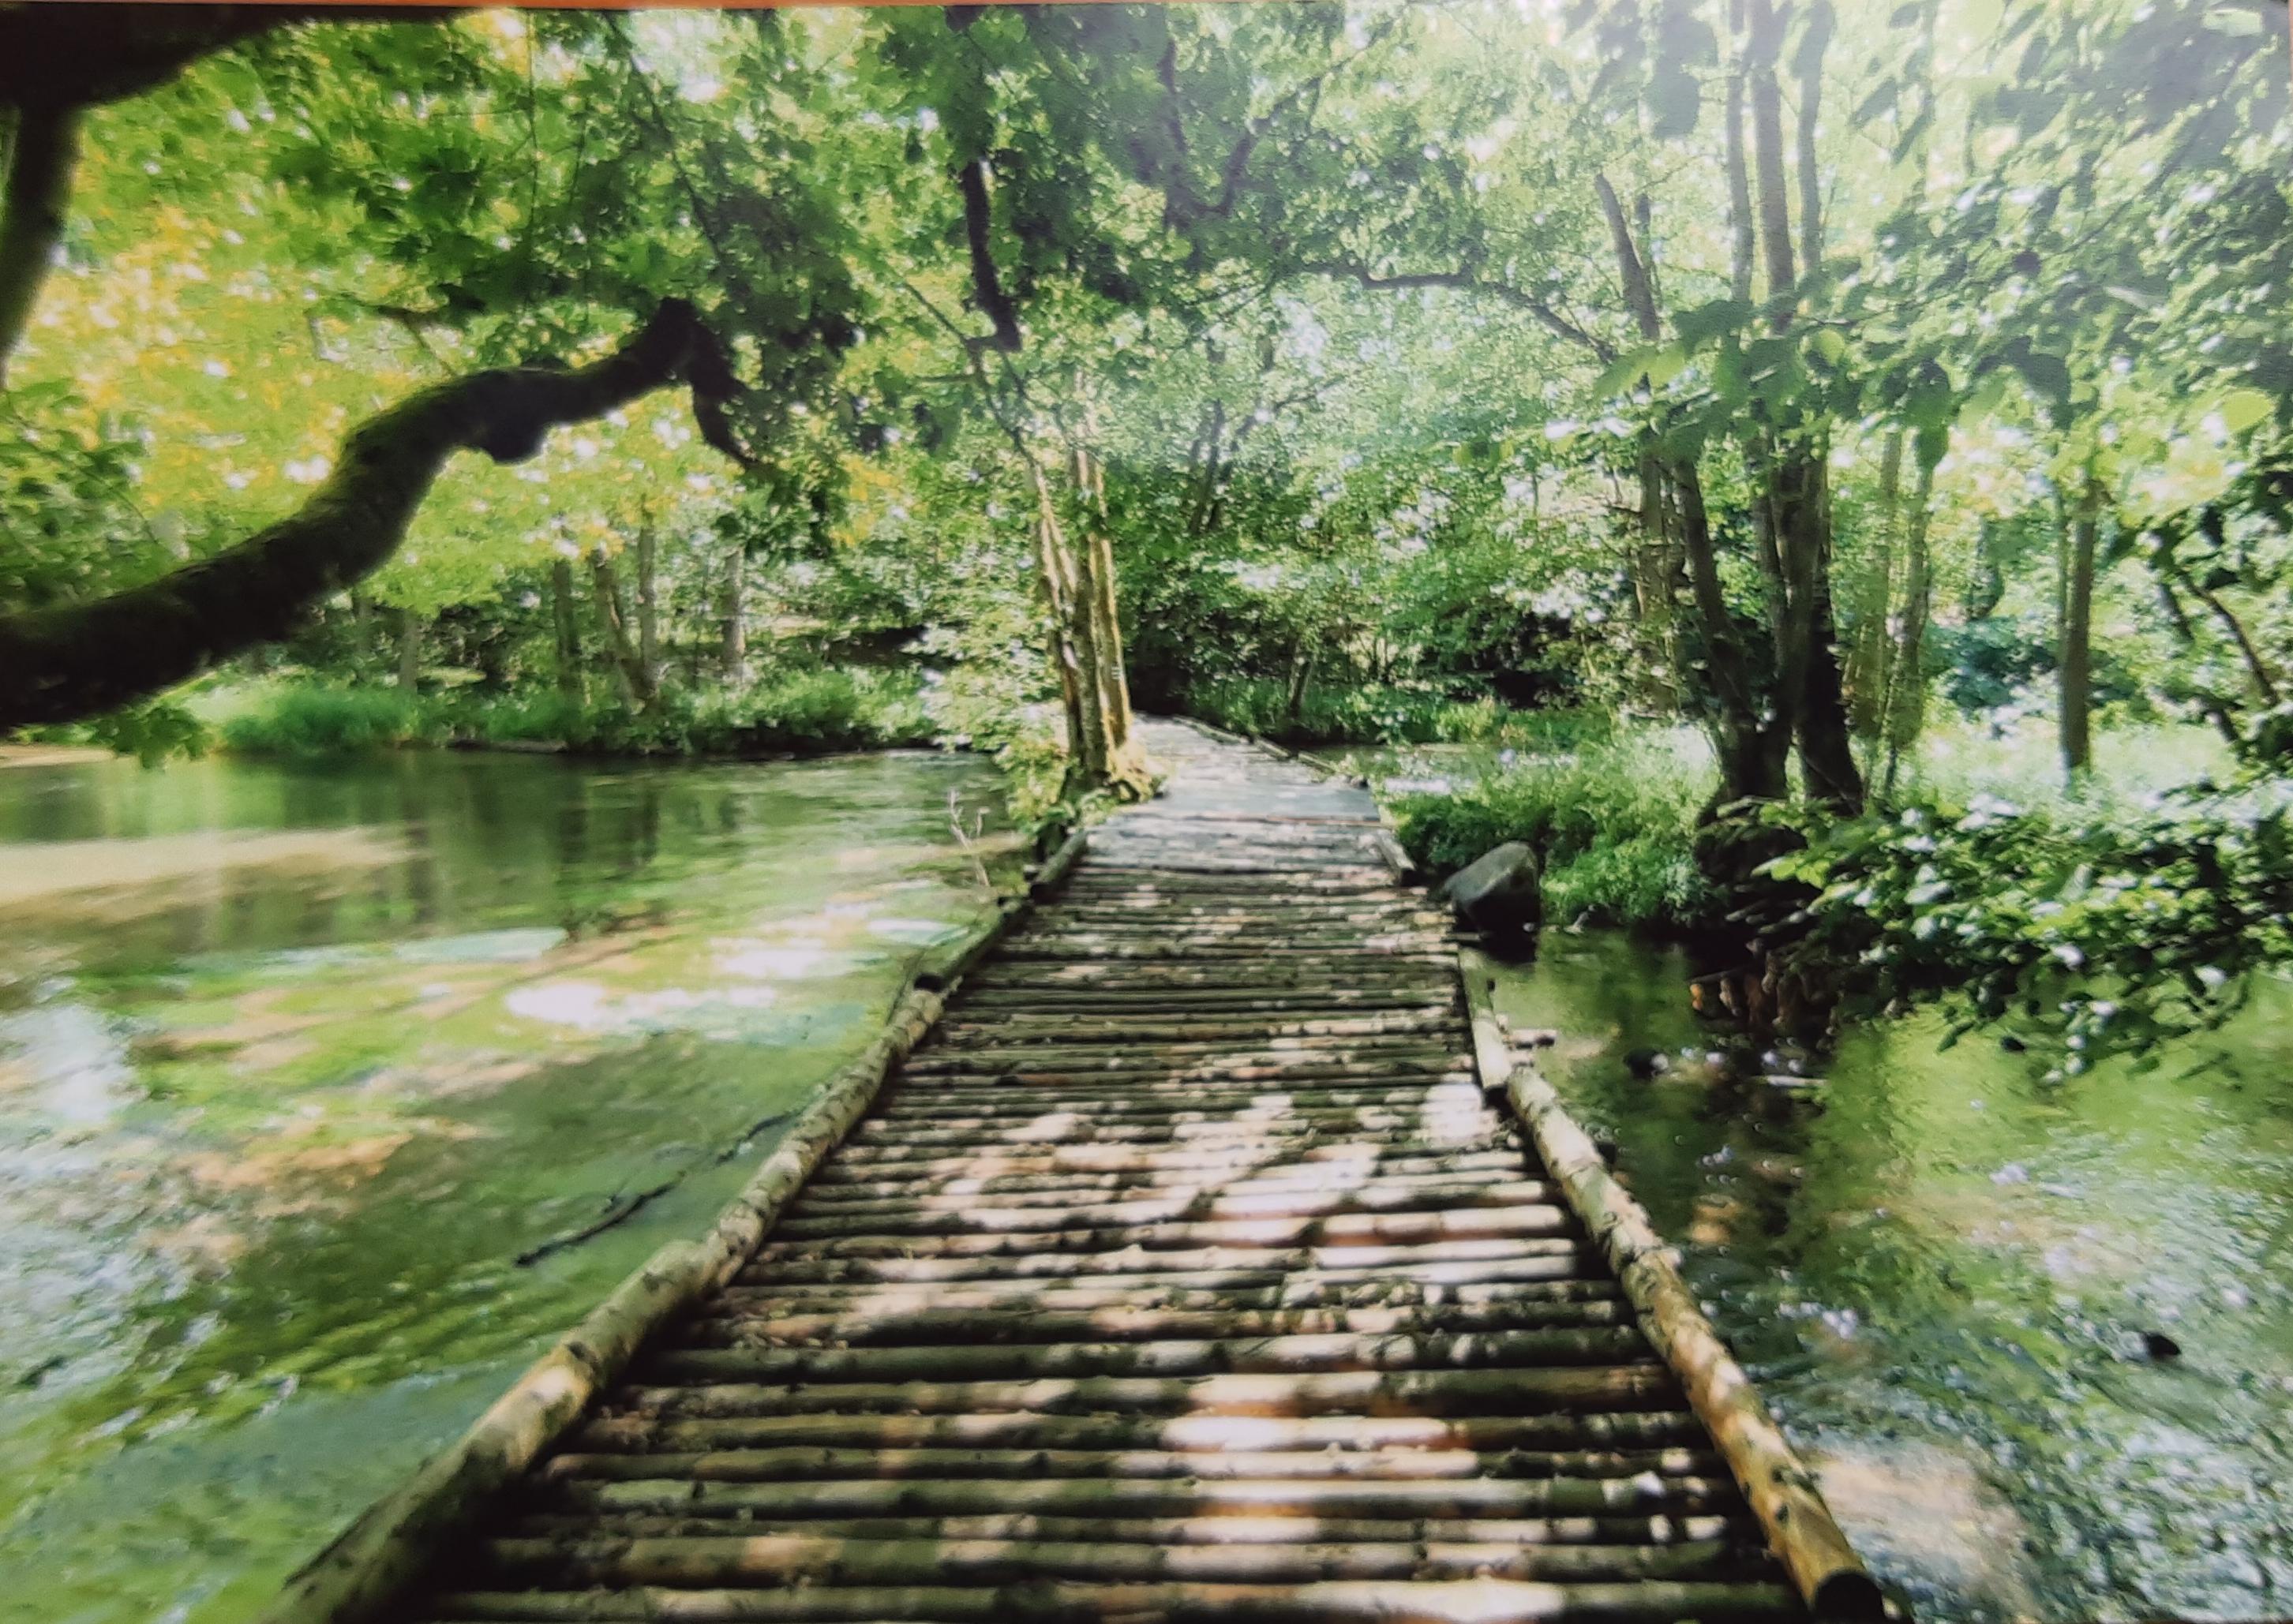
(43, 151)
(75, 660)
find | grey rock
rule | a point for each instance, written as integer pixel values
(1501, 895)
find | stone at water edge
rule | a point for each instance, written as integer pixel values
(1501, 894)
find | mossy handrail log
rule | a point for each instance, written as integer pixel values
(1782, 1489)
(1166, 1256)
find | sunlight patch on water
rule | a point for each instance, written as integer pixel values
(796, 960)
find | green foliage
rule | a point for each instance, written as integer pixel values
(155, 731)
(2107, 932)
(1367, 714)
(801, 713)
(1613, 822)
(302, 720)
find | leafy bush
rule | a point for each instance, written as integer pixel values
(1614, 823)
(1363, 715)
(328, 721)
(2108, 931)
(802, 712)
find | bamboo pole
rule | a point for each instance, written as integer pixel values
(787, 1465)
(1153, 1496)
(1604, 1387)
(365, 1568)
(1334, 1602)
(1301, 1354)
(1783, 1492)
(1200, 1436)
(1178, 1530)
(775, 1559)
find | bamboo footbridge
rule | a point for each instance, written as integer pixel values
(1191, 1245)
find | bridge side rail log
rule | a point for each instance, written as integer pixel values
(1781, 1488)
(372, 1562)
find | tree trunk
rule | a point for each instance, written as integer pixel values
(1874, 645)
(732, 610)
(79, 659)
(2077, 636)
(1814, 41)
(1055, 572)
(1301, 673)
(1120, 760)
(362, 626)
(648, 610)
(410, 650)
(1752, 747)
(613, 621)
(1739, 186)
(43, 151)
(1657, 559)
(1795, 513)
(1907, 682)
(567, 631)
(1774, 211)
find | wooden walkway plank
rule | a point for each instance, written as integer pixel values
(1210, 1257)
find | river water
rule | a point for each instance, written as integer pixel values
(297, 1062)
(1941, 1266)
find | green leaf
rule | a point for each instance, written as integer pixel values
(2048, 374)
(1708, 321)
(1657, 364)
(2241, 408)
(2234, 20)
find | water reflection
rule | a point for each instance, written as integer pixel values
(296, 1063)
(1941, 1268)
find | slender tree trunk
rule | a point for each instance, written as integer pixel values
(1740, 250)
(361, 628)
(1774, 207)
(410, 650)
(1813, 41)
(1301, 673)
(1078, 576)
(1907, 682)
(2186, 635)
(43, 151)
(1794, 464)
(2077, 656)
(1125, 770)
(1868, 657)
(568, 630)
(732, 611)
(1986, 583)
(1752, 750)
(648, 609)
(1657, 559)
(613, 621)
(1055, 572)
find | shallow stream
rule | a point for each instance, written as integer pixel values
(1941, 1268)
(296, 1063)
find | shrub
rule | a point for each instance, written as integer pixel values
(1613, 822)
(1363, 713)
(804, 713)
(2102, 929)
(328, 721)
